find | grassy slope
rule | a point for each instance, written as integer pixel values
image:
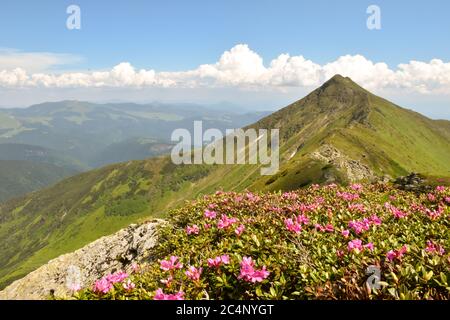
(78, 210)
(20, 177)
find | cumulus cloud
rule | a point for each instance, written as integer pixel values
(243, 68)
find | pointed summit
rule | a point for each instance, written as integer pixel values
(342, 83)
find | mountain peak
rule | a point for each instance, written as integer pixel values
(340, 81)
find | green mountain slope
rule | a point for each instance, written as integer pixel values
(339, 132)
(20, 177)
(133, 148)
(17, 151)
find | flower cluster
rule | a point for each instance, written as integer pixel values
(313, 243)
(105, 284)
(357, 246)
(249, 273)
(396, 254)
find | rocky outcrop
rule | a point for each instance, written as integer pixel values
(412, 182)
(355, 170)
(82, 267)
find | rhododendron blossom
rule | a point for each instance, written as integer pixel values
(434, 248)
(210, 214)
(160, 295)
(129, 285)
(434, 214)
(355, 244)
(102, 286)
(171, 264)
(396, 254)
(292, 226)
(193, 273)
(348, 196)
(239, 230)
(218, 261)
(345, 233)
(356, 187)
(395, 211)
(248, 272)
(117, 277)
(192, 229)
(302, 218)
(225, 222)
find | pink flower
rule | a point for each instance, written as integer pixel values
(225, 222)
(356, 187)
(167, 281)
(292, 226)
(210, 214)
(129, 285)
(391, 255)
(395, 211)
(302, 218)
(375, 220)
(347, 196)
(319, 227)
(192, 230)
(225, 259)
(102, 286)
(171, 264)
(329, 228)
(248, 272)
(193, 273)
(440, 188)
(239, 230)
(218, 261)
(431, 197)
(434, 248)
(396, 254)
(434, 214)
(345, 233)
(359, 226)
(447, 199)
(259, 275)
(355, 245)
(116, 277)
(369, 246)
(160, 295)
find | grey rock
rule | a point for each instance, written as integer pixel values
(83, 266)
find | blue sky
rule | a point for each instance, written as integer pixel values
(181, 35)
(172, 35)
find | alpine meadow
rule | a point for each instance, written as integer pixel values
(241, 157)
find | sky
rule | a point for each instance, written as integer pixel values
(255, 53)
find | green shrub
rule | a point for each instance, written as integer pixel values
(323, 252)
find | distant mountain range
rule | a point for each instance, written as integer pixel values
(84, 130)
(339, 133)
(75, 136)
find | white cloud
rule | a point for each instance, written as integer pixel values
(11, 59)
(240, 67)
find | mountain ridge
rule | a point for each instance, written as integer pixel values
(338, 133)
